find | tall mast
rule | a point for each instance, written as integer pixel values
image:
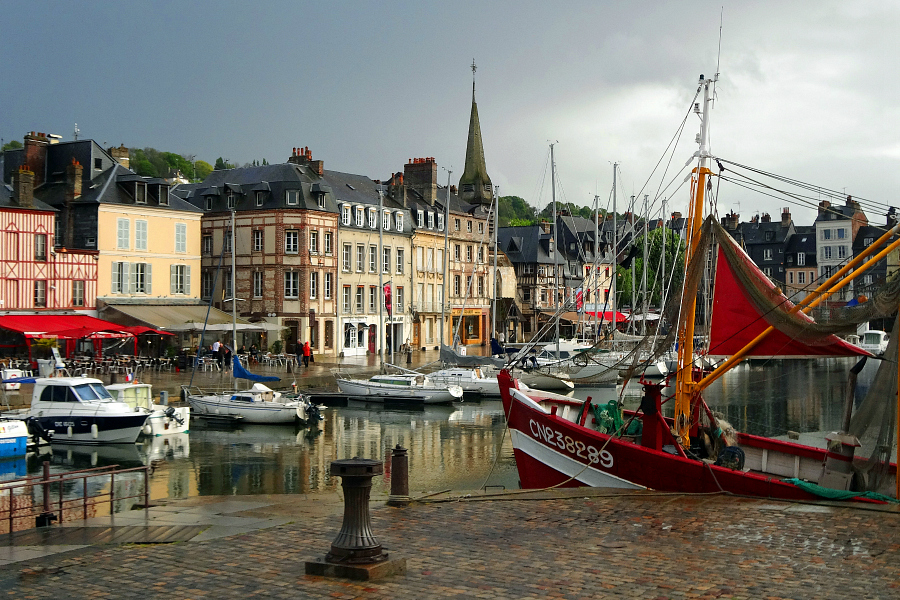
(233, 288)
(644, 266)
(686, 386)
(494, 274)
(633, 326)
(615, 248)
(445, 293)
(380, 264)
(555, 246)
(596, 261)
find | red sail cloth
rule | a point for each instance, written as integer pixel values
(736, 322)
(605, 316)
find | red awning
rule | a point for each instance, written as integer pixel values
(66, 326)
(736, 321)
(606, 316)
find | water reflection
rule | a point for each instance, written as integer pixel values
(450, 447)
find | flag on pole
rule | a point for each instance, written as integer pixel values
(387, 297)
(579, 300)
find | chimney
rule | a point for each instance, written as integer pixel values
(420, 174)
(824, 205)
(453, 190)
(786, 217)
(303, 156)
(766, 218)
(545, 226)
(74, 172)
(121, 155)
(852, 203)
(891, 216)
(754, 219)
(730, 221)
(36, 155)
(23, 187)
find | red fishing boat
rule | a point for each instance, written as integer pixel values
(563, 442)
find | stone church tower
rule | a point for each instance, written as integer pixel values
(475, 185)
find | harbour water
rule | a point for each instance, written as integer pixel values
(460, 447)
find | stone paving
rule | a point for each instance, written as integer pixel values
(565, 544)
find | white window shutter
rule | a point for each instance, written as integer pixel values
(187, 280)
(148, 277)
(126, 277)
(172, 278)
(115, 278)
(134, 276)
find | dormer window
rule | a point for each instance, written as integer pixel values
(770, 235)
(801, 259)
(420, 216)
(320, 200)
(373, 218)
(386, 220)
(260, 198)
(208, 203)
(140, 192)
(398, 221)
(430, 220)
(292, 197)
(440, 221)
(360, 216)
(163, 195)
(345, 215)
(230, 201)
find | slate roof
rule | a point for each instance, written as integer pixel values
(527, 244)
(755, 233)
(803, 240)
(6, 201)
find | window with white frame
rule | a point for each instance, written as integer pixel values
(439, 294)
(230, 200)
(373, 258)
(140, 192)
(140, 234)
(209, 203)
(429, 260)
(292, 284)
(481, 285)
(258, 281)
(440, 257)
(826, 253)
(360, 290)
(228, 290)
(400, 261)
(801, 277)
(346, 299)
(345, 214)
(360, 258)
(181, 238)
(456, 252)
(801, 259)
(40, 294)
(481, 254)
(327, 243)
(398, 304)
(430, 220)
(440, 221)
(480, 227)
(398, 221)
(207, 244)
(121, 278)
(791, 277)
(360, 216)
(291, 241)
(373, 218)
(469, 253)
(320, 200)
(868, 241)
(768, 272)
(841, 233)
(373, 298)
(420, 218)
(468, 284)
(767, 254)
(326, 287)
(292, 197)
(386, 260)
(826, 234)
(141, 278)
(258, 240)
(40, 246)
(455, 224)
(313, 285)
(123, 227)
(260, 198)
(164, 195)
(78, 293)
(180, 279)
(386, 220)
(469, 225)
(420, 258)
(314, 241)
(456, 285)
(842, 251)
(346, 258)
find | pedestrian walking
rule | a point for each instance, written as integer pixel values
(306, 353)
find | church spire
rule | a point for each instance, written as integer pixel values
(475, 185)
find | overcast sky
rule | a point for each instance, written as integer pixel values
(808, 90)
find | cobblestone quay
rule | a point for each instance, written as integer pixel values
(566, 544)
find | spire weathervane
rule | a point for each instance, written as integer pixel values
(474, 68)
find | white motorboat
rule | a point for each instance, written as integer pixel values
(472, 381)
(163, 420)
(259, 404)
(79, 410)
(13, 438)
(411, 388)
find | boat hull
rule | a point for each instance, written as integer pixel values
(374, 392)
(94, 428)
(158, 423)
(247, 412)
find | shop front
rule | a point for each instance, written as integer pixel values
(355, 336)
(474, 325)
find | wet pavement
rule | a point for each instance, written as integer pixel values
(585, 543)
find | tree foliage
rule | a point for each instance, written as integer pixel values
(150, 162)
(513, 208)
(11, 145)
(576, 211)
(222, 164)
(674, 252)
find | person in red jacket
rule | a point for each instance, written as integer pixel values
(306, 353)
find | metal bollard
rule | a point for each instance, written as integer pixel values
(46, 518)
(355, 552)
(399, 477)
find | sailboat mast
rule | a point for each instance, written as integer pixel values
(596, 262)
(615, 248)
(633, 326)
(494, 274)
(555, 244)
(686, 386)
(233, 288)
(381, 275)
(446, 284)
(644, 266)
